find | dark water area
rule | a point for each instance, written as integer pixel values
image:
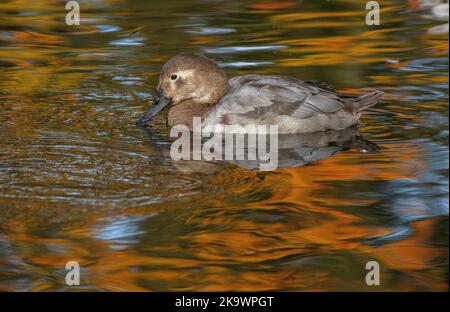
(79, 181)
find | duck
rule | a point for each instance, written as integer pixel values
(193, 85)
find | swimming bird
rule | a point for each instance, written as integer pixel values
(192, 85)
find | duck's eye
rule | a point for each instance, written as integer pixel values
(173, 77)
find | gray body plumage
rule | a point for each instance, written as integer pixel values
(294, 105)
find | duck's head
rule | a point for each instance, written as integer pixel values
(188, 77)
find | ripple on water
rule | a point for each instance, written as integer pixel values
(237, 49)
(120, 232)
(426, 64)
(206, 31)
(129, 80)
(107, 28)
(69, 169)
(137, 42)
(244, 64)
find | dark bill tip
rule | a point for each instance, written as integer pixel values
(161, 102)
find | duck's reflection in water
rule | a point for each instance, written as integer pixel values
(293, 150)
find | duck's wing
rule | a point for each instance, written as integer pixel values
(262, 97)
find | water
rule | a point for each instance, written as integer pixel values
(80, 182)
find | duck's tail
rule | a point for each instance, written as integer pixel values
(367, 100)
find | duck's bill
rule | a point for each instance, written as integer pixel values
(161, 102)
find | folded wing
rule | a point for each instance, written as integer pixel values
(263, 97)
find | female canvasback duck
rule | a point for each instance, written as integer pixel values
(192, 85)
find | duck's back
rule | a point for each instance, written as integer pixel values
(294, 105)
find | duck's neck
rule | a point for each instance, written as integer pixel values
(183, 113)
